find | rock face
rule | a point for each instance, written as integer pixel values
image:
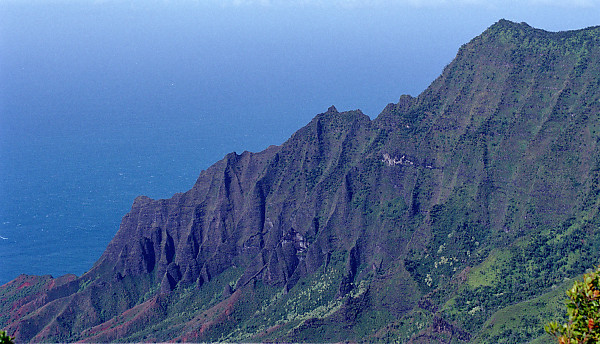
(359, 229)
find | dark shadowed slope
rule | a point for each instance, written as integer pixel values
(427, 224)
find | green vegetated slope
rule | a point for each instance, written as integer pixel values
(456, 216)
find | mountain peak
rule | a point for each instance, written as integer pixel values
(332, 109)
(505, 23)
(505, 30)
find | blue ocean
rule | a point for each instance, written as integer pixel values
(103, 101)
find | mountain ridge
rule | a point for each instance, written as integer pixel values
(360, 229)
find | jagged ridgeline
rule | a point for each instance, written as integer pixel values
(457, 216)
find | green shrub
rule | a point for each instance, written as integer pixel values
(5, 338)
(583, 310)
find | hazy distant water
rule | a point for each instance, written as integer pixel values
(65, 191)
(101, 103)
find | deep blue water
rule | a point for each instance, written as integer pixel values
(101, 102)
